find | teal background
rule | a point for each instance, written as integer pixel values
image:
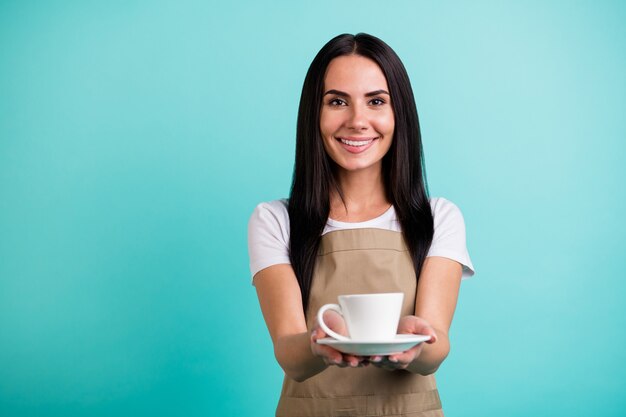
(137, 137)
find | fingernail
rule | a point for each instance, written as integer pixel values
(393, 359)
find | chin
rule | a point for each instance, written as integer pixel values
(351, 167)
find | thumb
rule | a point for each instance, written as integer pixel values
(433, 335)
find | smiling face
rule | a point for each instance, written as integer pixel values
(356, 121)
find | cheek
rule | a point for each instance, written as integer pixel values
(385, 124)
(329, 124)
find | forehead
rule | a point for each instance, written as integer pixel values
(354, 72)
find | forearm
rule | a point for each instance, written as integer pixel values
(431, 356)
(294, 355)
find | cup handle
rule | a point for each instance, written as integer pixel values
(320, 320)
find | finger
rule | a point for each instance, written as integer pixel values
(412, 353)
(416, 325)
(317, 334)
(396, 362)
(407, 356)
(352, 360)
(327, 353)
(339, 362)
(384, 362)
(314, 335)
(359, 359)
(409, 325)
(335, 322)
(429, 331)
(433, 337)
(399, 361)
(403, 358)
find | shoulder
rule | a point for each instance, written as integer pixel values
(443, 207)
(268, 235)
(446, 215)
(275, 208)
(449, 239)
(272, 215)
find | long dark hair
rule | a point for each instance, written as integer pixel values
(313, 179)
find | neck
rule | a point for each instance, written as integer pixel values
(364, 196)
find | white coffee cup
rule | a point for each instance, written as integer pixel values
(368, 317)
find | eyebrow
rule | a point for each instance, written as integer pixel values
(344, 94)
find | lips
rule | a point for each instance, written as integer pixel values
(356, 145)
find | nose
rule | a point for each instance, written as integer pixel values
(357, 119)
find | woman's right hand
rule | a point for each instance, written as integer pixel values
(332, 356)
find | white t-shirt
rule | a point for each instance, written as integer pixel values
(268, 233)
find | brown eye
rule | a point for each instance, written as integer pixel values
(337, 102)
(377, 102)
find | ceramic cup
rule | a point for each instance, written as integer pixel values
(368, 317)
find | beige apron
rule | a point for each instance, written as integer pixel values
(359, 261)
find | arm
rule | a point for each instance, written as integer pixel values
(437, 294)
(295, 349)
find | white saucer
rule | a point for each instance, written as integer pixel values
(398, 344)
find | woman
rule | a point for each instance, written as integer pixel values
(358, 220)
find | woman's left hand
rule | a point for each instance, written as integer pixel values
(407, 325)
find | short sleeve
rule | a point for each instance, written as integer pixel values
(268, 235)
(449, 237)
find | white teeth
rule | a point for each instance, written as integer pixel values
(356, 142)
